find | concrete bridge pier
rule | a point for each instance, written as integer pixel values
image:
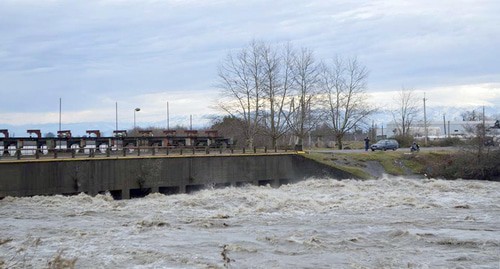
(182, 189)
(134, 177)
(155, 189)
(125, 194)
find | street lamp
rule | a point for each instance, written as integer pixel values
(136, 110)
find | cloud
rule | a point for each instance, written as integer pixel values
(95, 53)
(463, 97)
(182, 105)
(467, 96)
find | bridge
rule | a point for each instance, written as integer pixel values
(120, 143)
(138, 176)
(134, 166)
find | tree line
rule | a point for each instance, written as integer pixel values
(277, 90)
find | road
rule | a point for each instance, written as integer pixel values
(423, 149)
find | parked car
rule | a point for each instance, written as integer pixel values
(385, 145)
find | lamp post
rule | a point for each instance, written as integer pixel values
(425, 123)
(136, 110)
(116, 116)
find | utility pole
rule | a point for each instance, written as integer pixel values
(482, 139)
(60, 116)
(168, 117)
(444, 124)
(116, 116)
(373, 132)
(484, 126)
(425, 123)
(60, 111)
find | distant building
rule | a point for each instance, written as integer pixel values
(437, 130)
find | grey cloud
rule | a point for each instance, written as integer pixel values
(85, 51)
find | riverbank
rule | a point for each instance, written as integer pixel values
(440, 163)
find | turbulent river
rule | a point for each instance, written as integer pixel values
(391, 222)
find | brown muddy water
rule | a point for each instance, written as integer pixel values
(392, 222)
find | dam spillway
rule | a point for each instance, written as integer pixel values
(129, 177)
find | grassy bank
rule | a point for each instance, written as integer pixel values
(367, 165)
(332, 160)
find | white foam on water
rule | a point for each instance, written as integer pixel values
(392, 222)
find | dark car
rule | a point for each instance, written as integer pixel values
(385, 145)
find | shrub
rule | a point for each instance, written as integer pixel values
(404, 141)
(447, 142)
(467, 165)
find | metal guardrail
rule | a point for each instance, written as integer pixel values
(86, 153)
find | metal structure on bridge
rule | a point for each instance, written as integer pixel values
(119, 140)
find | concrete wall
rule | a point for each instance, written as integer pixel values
(135, 177)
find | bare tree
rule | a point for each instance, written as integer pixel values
(240, 77)
(407, 111)
(304, 105)
(344, 83)
(277, 91)
(278, 67)
(471, 116)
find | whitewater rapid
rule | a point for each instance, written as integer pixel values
(391, 222)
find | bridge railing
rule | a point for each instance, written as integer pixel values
(34, 153)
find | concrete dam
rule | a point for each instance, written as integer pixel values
(130, 177)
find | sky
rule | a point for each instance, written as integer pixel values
(92, 55)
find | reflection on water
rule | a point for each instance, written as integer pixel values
(319, 223)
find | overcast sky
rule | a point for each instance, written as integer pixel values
(145, 53)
